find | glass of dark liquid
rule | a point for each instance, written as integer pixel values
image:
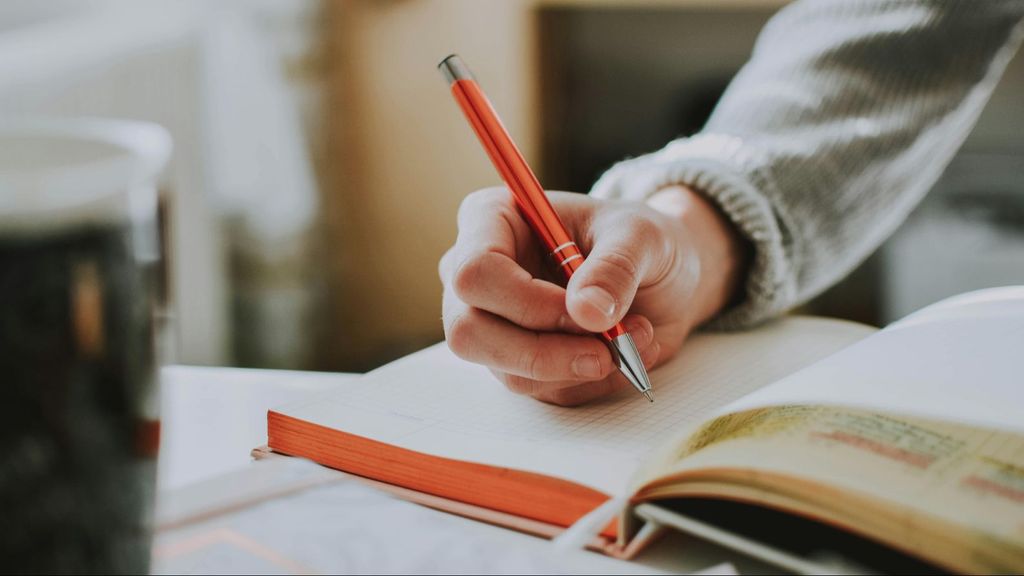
(79, 427)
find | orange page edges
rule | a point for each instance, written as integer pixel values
(516, 492)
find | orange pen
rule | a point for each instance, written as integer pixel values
(533, 204)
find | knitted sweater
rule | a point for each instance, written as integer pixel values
(845, 116)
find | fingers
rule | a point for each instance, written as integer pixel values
(481, 337)
(488, 221)
(554, 368)
(625, 253)
(574, 393)
(494, 282)
(571, 394)
(482, 269)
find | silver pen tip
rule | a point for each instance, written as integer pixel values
(649, 394)
(630, 364)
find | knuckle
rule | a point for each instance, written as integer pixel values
(462, 334)
(565, 397)
(644, 230)
(620, 263)
(481, 198)
(469, 274)
(533, 363)
(518, 385)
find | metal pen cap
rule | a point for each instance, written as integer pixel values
(454, 69)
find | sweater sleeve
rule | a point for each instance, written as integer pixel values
(845, 116)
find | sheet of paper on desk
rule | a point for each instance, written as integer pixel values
(343, 526)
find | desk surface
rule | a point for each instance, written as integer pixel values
(213, 417)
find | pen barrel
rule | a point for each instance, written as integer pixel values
(529, 195)
(527, 192)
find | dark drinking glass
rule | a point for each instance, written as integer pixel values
(78, 422)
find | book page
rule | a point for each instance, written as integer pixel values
(958, 360)
(434, 403)
(950, 492)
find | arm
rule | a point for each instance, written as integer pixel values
(847, 113)
(845, 116)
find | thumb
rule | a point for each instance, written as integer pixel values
(601, 291)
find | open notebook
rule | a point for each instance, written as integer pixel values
(897, 424)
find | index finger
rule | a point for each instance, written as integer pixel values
(480, 228)
(488, 220)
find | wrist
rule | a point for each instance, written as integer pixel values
(723, 254)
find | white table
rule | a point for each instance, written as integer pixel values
(213, 417)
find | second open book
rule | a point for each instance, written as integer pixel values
(912, 436)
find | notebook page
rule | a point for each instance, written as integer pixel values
(958, 360)
(435, 403)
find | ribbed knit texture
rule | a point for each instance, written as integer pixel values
(845, 116)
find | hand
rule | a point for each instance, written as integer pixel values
(671, 263)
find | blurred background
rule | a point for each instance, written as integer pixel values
(319, 160)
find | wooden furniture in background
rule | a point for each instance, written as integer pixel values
(401, 159)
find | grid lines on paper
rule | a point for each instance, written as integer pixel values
(714, 370)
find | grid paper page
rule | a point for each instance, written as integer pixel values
(435, 403)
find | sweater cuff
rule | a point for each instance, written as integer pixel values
(723, 170)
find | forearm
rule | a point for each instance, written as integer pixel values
(845, 116)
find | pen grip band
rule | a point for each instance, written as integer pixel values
(567, 257)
